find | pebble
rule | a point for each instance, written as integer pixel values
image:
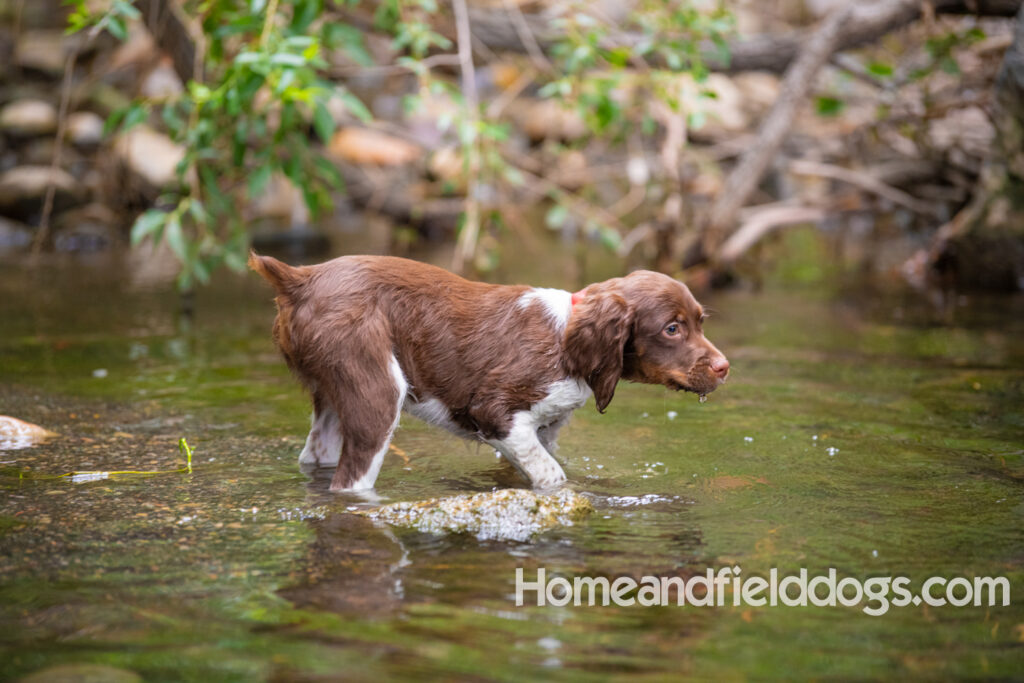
(85, 129)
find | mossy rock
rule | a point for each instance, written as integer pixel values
(507, 515)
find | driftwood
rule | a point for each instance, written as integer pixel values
(762, 222)
(865, 182)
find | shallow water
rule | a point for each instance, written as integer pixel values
(873, 433)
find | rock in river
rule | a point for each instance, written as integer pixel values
(506, 515)
(15, 434)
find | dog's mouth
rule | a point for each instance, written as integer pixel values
(695, 383)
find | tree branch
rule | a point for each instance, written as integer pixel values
(744, 178)
(172, 36)
(773, 52)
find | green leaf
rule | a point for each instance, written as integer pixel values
(329, 173)
(355, 106)
(174, 236)
(298, 42)
(949, 65)
(287, 59)
(258, 180)
(248, 57)
(197, 210)
(146, 224)
(117, 28)
(609, 237)
(201, 271)
(880, 69)
(235, 258)
(618, 56)
(125, 9)
(828, 106)
(133, 116)
(350, 40)
(556, 217)
(113, 121)
(304, 14)
(323, 122)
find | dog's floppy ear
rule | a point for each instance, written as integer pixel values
(595, 338)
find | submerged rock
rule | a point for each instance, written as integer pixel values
(15, 434)
(506, 515)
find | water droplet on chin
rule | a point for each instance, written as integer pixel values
(702, 398)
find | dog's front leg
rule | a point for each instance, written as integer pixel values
(523, 448)
(548, 434)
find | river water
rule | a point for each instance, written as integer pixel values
(879, 433)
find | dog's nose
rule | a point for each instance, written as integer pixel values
(720, 366)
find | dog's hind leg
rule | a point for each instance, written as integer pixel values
(323, 445)
(368, 416)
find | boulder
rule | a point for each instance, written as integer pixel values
(23, 188)
(150, 155)
(28, 118)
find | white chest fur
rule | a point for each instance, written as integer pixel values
(564, 396)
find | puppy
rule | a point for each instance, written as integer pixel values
(370, 336)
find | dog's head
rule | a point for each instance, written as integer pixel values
(645, 327)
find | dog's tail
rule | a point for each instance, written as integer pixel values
(285, 279)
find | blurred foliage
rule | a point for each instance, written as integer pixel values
(265, 89)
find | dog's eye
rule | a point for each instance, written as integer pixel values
(672, 329)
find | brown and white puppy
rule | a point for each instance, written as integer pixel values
(370, 336)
